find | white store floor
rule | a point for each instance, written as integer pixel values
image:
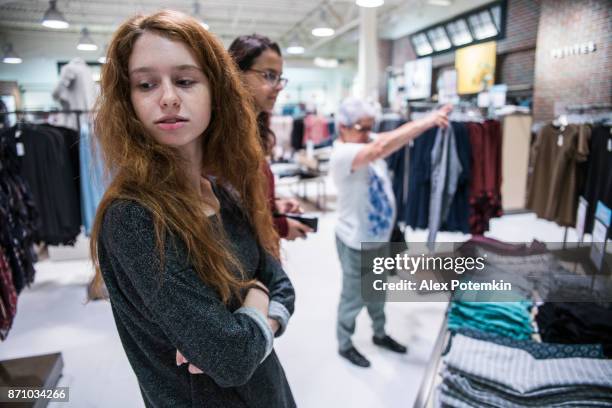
(53, 316)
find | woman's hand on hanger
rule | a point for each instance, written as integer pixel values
(439, 118)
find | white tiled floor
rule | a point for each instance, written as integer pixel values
(54, 316)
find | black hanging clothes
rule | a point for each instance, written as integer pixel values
(8, 296)
(18, 218)
(599, 173)
(397, 163)
(419, 183)
(48, 166)
(4, 117)
(297, 134)
(458, 215)
(416, 213)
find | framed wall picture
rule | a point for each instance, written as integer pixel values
(417, 77)
(475, 67)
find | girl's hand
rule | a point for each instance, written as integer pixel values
(288, 205)
(180, 360)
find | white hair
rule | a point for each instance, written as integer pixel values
(353, 109)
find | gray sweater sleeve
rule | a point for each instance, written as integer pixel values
(282, 294)
(226, 346)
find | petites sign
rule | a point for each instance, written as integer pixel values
(575, 49)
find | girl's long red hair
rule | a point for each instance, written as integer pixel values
(151, 174)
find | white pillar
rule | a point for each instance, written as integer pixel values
(367, 72)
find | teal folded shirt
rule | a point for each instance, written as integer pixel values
(511, 319)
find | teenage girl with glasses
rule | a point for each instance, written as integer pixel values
(261, 63)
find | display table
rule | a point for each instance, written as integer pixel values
(31, 372)
(574, 259)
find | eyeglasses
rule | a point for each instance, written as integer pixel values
(362, 129)
(272, 78)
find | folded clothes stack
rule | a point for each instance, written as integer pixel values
(511, 319)
(576, 323)
(540, 350)
(480, 373)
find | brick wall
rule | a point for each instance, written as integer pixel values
(521, 26)
(574, 79)
(516, 52)
(516, 68)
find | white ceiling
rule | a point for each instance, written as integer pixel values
(278, 19)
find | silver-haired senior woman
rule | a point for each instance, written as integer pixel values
(366, 209)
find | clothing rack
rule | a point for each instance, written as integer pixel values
(589, 106)
(42, 371)
(48, 112)
(588, 113)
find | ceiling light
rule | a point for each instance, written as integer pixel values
(206, 26)
(10, 57)
(326, 63)
(294, 46)
(440, 2)
(295, 49)
(323, 32)
(324, 28)
(53, 18)
(370, 3)
(85, 42)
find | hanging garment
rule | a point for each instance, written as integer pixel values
(458, 215)
(92, 185)
(315, 129)
(556, 177)
(445, 171)
(599, 173)
(76, 90)
(485, 190)
(8, 296)
(419, 180)
(18, 215)
(4, 117)
(398, 163)
(515, 160)
(48, 168)
(282, 127)
(297, 134)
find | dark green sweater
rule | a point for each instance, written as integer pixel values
(158, 312)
